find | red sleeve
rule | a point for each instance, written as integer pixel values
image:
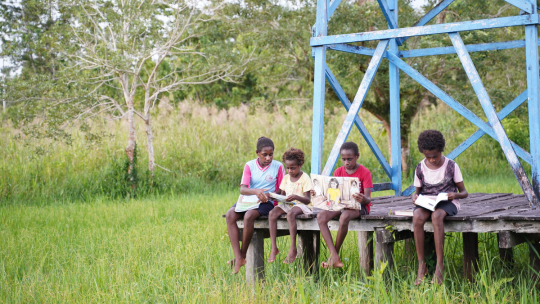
(281, 173)
(367, 181)
(246, 177)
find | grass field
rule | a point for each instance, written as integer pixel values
(173, 248)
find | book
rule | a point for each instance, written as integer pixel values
(428, 203)
(335, 193)
(403, 212)
(280, 198)
(247, 202)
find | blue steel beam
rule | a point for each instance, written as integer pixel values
(355, 107)
(430, 15)
(458, 107)
(492, 46)
(332, 8)
(318, 90)
(347, 48)
(395, 110)
(494, 121)
(523, 5)
(357, 121)
(533, 85)
(514, 104)
(427, 30)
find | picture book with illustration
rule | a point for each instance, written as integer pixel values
(247, 202)
(335, 193)
(428, 203)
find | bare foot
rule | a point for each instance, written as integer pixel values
(273, 254)
(438, 276)
(238, 263)
(231, 263)
(331, 264)
(290, 257)
(422, 272)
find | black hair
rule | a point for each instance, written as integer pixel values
(430, 140)
(350, 146)
(294, 154)
(264, 142)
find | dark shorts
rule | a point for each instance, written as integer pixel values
(264, 208)
(447, 206)
(363, 211)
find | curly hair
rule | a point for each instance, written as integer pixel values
(350, 146)
(430, 140)
(264, 142)
(294, 154)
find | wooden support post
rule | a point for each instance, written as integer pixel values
(309, 249)
(255, 258)
(506, 254)
(395, 106)
(534, 258)
(365, 251)
(384, 250)
(470, 254)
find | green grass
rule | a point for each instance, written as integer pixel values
(173, 248)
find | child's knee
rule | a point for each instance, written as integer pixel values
(322, 218)
(438, 215)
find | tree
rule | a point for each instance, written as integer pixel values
(137, 52)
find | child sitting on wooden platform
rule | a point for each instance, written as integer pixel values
(261, 176)
(433, 175)
(351, 168)
(296, 185)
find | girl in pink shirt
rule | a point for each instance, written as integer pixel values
(435, 174)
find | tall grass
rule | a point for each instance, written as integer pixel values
(202, 147)
(174, 249)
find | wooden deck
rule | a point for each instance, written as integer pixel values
(506, 214)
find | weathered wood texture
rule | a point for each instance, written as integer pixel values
(365, 251)
(470, 254)
(255, 258)
(384, 250)
(309, 250)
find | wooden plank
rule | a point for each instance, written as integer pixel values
(388, 15)
(506, 254)
(395, 121)
(365, 251)
(353, 49)
(430, 15)
(509, 108)
(508, 239)
(358, 122)
(309, 249)
(533, 84)
(383, 251)
(255, 258)
(332, 7)
(382, 187)
(453, 103)
(427, 30)
(491, 114)
(480, 47)
(356, 105)
(529, 215)
(470, 255)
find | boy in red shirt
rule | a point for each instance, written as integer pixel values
(351, 168)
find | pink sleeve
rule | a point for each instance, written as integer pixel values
(417, 182)
(281, 173)
(246, 177)
(458, 178)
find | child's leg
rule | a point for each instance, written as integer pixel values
(437, 219)
(249, 228)
(272, 222)
(232, 229)
(420, 217)
(291, 219)
(323, 218)
(344, 220)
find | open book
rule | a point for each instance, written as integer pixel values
(428, 203)
(335, 193)
(247, 202)
(280, 198)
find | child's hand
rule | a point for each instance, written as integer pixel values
(312, 192)
(362, 199)
(291, 198)
(451, 195)
(414, 197)
(263, 197)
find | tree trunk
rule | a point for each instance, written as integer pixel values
(130, 148)
(150, 139)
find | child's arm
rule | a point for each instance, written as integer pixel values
(462, 192)
(306, 199)
(363, 199)
(416, 193)
(263, 197)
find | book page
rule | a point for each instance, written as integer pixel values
(442, 197)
